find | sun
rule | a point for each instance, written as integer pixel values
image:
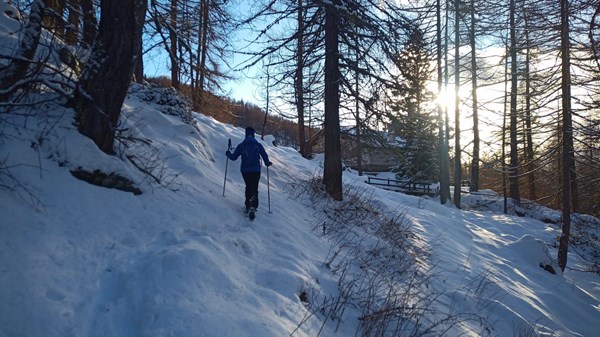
(445, 99)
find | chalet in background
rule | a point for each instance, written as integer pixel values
(379, 152)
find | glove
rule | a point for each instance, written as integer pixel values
(228, 153)
(269, 164)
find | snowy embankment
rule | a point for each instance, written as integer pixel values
(181, 259)
(83, 260)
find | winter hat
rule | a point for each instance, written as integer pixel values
(250, 131)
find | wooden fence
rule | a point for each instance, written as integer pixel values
(412, 188)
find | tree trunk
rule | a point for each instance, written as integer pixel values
(475, 160)
(528, 132)
(559, 157)
(106, 77)
(442, 150)
(446, 155)
(332, 171)
(457, 149)
(268, 94)
(309, 144)
(17, 68)
(173, 52)
(593, 43)
(300, 82)
(359, 142)
(504, 115)
(204, 50)
(514, 155)
(138, 62)
(574, 188)
(568, 159)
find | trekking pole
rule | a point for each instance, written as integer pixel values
(268, 191)
(226, 164)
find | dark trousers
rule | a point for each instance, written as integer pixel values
(251, 179)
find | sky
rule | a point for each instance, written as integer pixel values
(182, 259)
(156, 64)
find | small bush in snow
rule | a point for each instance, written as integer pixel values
(170, 101)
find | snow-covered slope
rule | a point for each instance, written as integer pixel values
(181, 259)
(83, 260)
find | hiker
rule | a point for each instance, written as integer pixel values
(251, 151)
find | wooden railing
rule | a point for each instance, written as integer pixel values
(412, 188)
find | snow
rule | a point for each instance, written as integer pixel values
(182, 260)
(83, 260)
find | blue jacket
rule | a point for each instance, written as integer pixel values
(251, 151)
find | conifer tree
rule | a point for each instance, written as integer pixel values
(413, 117)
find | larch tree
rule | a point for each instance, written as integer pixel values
(202, 50)
(444, 121)
(568, 151)
(165, 25)
(332, 166)
(299, 80)
(529, 146)
(442, 141)
(138, 53)
(173, 44)
(476, 141)
(107, 74)
(215, 22)
(195, 34)
(513, 176)
(457, 146)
